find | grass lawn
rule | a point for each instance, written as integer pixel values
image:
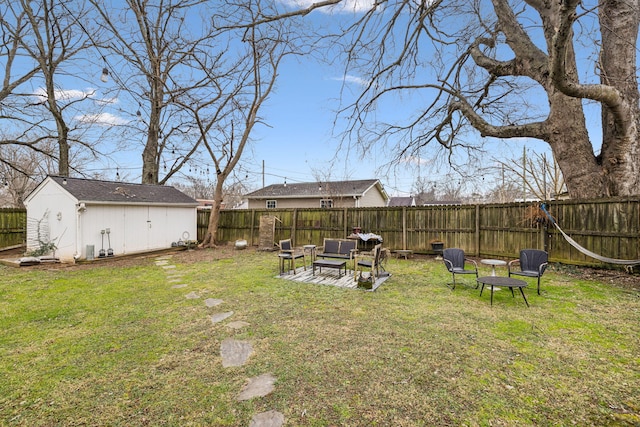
(116, 345)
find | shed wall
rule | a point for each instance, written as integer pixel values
(135, 228)
(51, 215)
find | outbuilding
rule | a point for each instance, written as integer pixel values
(76, 218)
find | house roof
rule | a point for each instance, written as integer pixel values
(89, 190)
(317, 189)
(401, 201)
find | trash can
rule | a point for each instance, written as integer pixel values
(90, 252)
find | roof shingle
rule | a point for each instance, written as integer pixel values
(89, 190)
(314, 189)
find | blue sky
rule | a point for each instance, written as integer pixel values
(299, 142)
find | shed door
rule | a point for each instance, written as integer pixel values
(138, 228)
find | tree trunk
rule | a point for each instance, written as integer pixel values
(212, 229)
(150, 155)
(572, 149)
(620, 155)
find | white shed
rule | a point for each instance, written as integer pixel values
(79, 216)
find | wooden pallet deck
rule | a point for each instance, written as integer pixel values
(329, 277)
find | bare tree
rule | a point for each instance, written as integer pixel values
(152, 44)
(481, 63)
(226, 131)
(21, 170)
(43, 33)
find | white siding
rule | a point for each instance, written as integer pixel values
(60, 220)
(132, 228)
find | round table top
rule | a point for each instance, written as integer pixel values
(508, 282)
(309, 246)
(493, 262)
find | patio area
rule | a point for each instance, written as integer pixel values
(330, 277)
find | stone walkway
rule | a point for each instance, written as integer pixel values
(234, 352)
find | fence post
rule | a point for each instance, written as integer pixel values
(404, 228)
(294, 227)
(477, 236)
(345, 230)
(253, 226)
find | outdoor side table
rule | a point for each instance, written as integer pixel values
(506, 282)
(312, 251)
(405, 253)
(493, 263)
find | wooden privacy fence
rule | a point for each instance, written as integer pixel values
(609, 227)
(12, 227)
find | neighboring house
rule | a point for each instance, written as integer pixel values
(80, 216)
(337, 194)
(401, 201)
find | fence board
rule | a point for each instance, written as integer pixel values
(609, 227)
(12, 227)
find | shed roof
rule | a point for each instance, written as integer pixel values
(401, 201)
(90, 190)
(316, 189)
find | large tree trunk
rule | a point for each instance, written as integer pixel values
(214, 217)
(620, 155)
(150, 154)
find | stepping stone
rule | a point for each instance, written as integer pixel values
(267, 419)
(192, 295)
(257, 387)
(219, 317)
(234, 352)
(168, 267)
(177, 279)
(212, 302)
(238, 324)
(164, 257)
(180, 286)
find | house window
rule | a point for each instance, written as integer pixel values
(326, 203)
(271, 204)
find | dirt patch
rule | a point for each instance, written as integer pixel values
(618, 278)
(179, 255)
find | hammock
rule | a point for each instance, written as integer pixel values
(585, 251)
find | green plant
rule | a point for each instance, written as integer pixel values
(45, 248)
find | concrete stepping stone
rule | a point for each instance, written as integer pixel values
(238, 324)
(235, 352)
(212, 302)
(168, 267)
(162, 262)
(258, 387)
(192, 295)
(267, 419)
(174, 280)
(180, 286)
(219, 317)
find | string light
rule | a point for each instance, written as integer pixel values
(105, 75)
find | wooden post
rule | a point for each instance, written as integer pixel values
(294, 226)
(404, 228)
(477, 236)
(345, 227)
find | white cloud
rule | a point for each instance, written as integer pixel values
(357, 80)
(345, 6)
(102, 119)
(66, 95)
(415, 160)
(353, 79)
